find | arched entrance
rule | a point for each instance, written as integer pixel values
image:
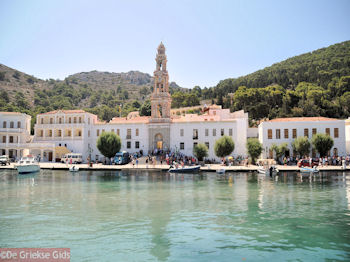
(158, 141)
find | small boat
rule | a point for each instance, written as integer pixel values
(184, 169)
(27, 165)
(268, 171)
(74, 169)
(309, 170)
(220, 171)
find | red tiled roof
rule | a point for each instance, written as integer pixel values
(302, 119)
(124, 120)
(65, 112)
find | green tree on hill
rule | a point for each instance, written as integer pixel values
(301, 145)
(254, 148)
(200, 151)
(323, 143)
(224, 146)
(108, 143)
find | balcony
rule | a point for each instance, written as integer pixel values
(13, 130)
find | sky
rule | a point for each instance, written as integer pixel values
(206, 41)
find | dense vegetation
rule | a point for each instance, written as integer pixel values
(312, 84)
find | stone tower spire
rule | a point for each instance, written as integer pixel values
(160, 98)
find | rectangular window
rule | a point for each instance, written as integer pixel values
(286, 133)
(12, 124)
(51, 120)
(214, 132)
(4, 139)
(269, 133)
(79, 119)
(137, 144)
(181, 132)
(278, 133)
(195, 133)
(328, 131)
(11, 139)
(182, 146)
(137, 132)
(89, 120)
(207, 144)
(75, 120)
(294, 133)
(50, 133)
(98, 132)
(79, 133)
(336, 132)
(59, 133)
(70, 120)
(195, 144)
(18, 124)
(128, 144)
(222, 131)
(230, 132)
(128, 133)
(314, 131)
(306, 132)
(41, 121)
(206, 132)
(118, 132)
(89, 133)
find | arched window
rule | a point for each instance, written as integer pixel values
(4, 124)
(12, 125)
(60, 120)
(19, 124)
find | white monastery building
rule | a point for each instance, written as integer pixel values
(77, 131)
(280, 130)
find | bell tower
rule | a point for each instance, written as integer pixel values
(160, 98)
(160, 121)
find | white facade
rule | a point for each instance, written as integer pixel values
(347, 135)
(282, 130)
(14, 133)
(78, 131)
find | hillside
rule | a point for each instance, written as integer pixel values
(311, 84)
(318, 67)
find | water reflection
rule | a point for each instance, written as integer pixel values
(154, 215)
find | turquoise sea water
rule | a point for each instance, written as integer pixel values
(145, 216)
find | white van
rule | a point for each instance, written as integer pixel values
(77, 158)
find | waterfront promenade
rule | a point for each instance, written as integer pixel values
(158, 167)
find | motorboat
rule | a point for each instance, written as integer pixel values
(74, 169)
(221, 171)
(272, 170)
(27, 165)
(184, 169)
(309, 170)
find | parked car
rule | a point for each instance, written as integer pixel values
(306, 162)
(121, 158)
(75, 157)
(4, 160)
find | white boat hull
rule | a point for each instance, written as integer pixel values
(24, 169)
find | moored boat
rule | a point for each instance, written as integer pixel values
(309, 170)
(27, 165)
(74, 169)
(221, 171)
(184, 169)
